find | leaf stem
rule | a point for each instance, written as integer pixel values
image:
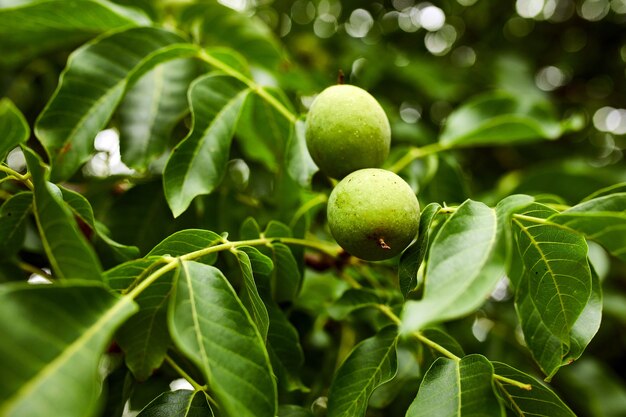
(25, 179)
(416, 153)
(171, 262)
(529, 218)
(445, 352)
(387, 312)
(184, 374)
(259, 90)
(513, 382)
(189, 379)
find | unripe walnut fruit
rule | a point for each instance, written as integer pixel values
(373, 214)
(347, 130)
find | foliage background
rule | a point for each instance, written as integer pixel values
(569, 55)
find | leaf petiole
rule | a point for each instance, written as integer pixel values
(513, 382)
(196, 386)
(259, 90)
(416, 153)
(445, 352)
(25, 179)
(171, 262)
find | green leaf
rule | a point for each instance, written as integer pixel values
(413, 256)
(129, 273)
(277, 229)
(401, 389)
(180, 403)
(13, 215)
(285, 278)
(262, 131)
(540, 401)
(187, 241)
(611, 189)
(36, 27)
(13, 126)
(261, 264)
(219, 25)
(466, 260)
(285, 350)
(94, 81)
(68, 251)
(457, 389)
(250, 297)
(144, 337)
(352, 300)
(370, 364)
(53, 345)
(588, 323)
(555, 287)
(151, 109)
(249, 229)
(230, 351)
(81, 208)
(300, 165)
(602, 219)
(198, 163)
(500, 118)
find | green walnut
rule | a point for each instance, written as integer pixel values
(373, 214)
(346, 129)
